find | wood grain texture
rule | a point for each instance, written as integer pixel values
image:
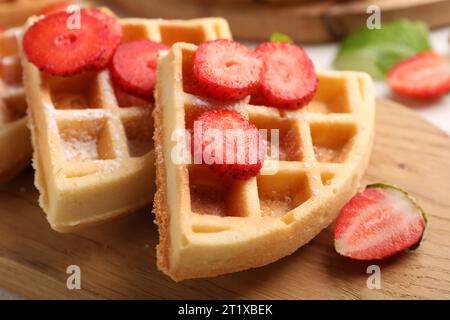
(305, 22)
(117, 260)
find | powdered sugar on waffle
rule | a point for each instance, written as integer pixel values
(79, 150)
(199, 102)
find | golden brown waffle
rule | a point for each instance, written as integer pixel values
(15, 146)
(94, 160)
(15, 12)
(209, 226)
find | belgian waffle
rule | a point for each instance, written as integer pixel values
(93, 159)
(15, 146)
(210, 226)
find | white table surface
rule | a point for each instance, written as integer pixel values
(436, 112)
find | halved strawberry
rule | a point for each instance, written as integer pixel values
(114, 37)
(125, 99)
(228, 144)
(54, 8)
(289, 80)
(226, 70)
(379, 222)
(134, 66)
(55, 48)
(425, 75)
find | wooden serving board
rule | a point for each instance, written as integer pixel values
(117, 260)
(305, 21)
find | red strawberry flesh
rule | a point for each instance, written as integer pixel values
(134, 66)
(377, 223)
(114, 37)
(426, 75)
(289, 80)
(241, 154)
(125, 99)
(226, 70)
(59, 50)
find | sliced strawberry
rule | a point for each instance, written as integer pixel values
(190, 85)
(114, 38)
(425, 75)
(377, 223)
(134, 66)
(54, 8)
(228, 143)
(258, 98)
(226, 70)
(54, 48)
(125, 99)
(289, 80)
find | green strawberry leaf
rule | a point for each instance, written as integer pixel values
(375, 51)
(280, 37)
